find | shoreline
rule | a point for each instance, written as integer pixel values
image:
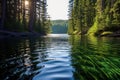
(110, 34)
(7, 34)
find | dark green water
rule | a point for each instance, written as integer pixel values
(95, 58)
(60, 57)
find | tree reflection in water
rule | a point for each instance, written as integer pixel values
(88, 58)
(95, 58)
(18, 58)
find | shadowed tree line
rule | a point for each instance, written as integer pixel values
(94, 17)
(24, 16)
(59, 26)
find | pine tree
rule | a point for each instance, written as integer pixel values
(17, 15)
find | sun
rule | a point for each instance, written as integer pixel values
(26, 3)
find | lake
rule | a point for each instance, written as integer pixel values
(60, 57)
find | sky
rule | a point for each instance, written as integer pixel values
(57, 9)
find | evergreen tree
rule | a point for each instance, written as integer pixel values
(82, 16)
(23, 15)
(94, 16)
(107, 17)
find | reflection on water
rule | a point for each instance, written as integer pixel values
(17, 58)
(60, 57)
(95, 58)
(45, 58)
(58, 60)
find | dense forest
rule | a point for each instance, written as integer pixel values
(24, 16)
(59, 26)
(94, 17)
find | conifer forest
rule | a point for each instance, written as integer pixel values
(24, 16)
(94, 17)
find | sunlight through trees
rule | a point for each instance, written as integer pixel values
(24, 15)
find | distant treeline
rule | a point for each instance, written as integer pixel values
(94, 16)
(59, 26)
(24, 15)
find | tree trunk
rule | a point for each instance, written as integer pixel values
(31, 17)
(3, 14)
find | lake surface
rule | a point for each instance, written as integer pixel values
(60, 57)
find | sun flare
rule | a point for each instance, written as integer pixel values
(26, 3)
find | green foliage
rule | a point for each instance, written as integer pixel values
(95, 16)
(37, 27)
(71, 27)
(14, 26)
(47, 26)
(59, 22)
(116, 12)
(93, 29)
(59, 26)
(82, 16)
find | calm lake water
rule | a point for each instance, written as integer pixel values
(60, 57)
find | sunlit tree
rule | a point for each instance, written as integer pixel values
(23, 15)
(94, 16)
